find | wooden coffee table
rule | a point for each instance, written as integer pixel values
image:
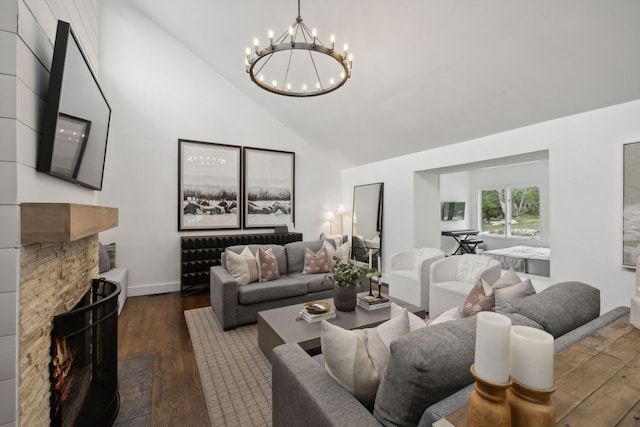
(279, 325)
(598, 380)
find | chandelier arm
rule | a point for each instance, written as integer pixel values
(266, 61)
(286, 74)
(315, 69)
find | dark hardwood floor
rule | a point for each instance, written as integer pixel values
(155, 324)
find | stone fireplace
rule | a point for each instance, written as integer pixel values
(58, 261)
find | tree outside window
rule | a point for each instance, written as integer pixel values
(511, 212)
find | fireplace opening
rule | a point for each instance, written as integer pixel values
(84, 360)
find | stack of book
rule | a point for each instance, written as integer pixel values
(314, 318)
(369, 302)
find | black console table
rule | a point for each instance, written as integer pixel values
(199, 253)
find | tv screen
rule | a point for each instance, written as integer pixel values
(453, 211)
(76, 118)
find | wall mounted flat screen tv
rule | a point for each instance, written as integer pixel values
(76, 119)
(453, 211)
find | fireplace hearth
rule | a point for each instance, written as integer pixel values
(84, 360)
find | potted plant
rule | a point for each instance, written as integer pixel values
(345, 278)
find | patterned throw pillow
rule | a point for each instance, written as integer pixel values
(470, 267)
(315, 263)
(267, 265)
(481, 298)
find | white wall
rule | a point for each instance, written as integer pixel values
(27, 34)
(160, 92)
(585, 197)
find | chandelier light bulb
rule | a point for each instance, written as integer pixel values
(346, 50)
(331, 81)
(314, 34)
(261, 78)
(271, 37)
(291, 33)
(333, 41)
(342, 75)
(318, 85)
(256, 44)
(289, 87)
(304, 88)
(275, 84)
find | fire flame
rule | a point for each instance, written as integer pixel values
(62, 377)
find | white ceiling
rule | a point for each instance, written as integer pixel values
(427, 73)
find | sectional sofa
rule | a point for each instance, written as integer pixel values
(427, 376)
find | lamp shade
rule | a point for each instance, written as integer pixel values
(341, 209)
(330, 216)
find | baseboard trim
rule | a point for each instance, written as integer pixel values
(153, 288)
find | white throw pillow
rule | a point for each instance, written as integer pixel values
(357, 359)
(470, 267)
(507, 297)
(509, 278)
(414, 321)
(243, 266)
(331, 251)
(451, 314)
(343, 251)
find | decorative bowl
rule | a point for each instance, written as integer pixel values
(317, 307)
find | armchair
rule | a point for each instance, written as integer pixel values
(453, 278)
(409, 275)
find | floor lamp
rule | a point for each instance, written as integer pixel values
(341, 211)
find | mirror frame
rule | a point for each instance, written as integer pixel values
(379, 218)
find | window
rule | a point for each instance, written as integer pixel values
(510, 212)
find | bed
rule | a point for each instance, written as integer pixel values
(522, 258)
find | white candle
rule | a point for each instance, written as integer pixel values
(492, 347)
(531, 357)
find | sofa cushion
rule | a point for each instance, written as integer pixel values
(316, 262)
(267, 265)
(267, 291)
(357, 358)
(562, 307)
(295, 254)
(426, 366)
(313, 282)
(243, 267)
(507, 297)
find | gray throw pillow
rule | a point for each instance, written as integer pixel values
(103, 259)
(507, 297)
(562, 307)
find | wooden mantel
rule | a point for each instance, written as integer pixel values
(64, 222)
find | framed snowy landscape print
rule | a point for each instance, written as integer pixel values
(269, 188)
(209, 186)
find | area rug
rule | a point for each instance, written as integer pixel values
(235, 375)
(135, 378)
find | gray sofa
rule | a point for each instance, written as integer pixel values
(236, 305)
(427, 376)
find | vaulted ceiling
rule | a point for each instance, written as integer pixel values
(427, 73)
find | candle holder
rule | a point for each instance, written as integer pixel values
(530, 406)
(488, 405)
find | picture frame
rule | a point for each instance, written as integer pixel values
(209, 186)
(631, 204)
(268, 188)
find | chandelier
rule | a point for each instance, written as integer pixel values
(297, 63)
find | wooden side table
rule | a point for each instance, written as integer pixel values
(598, 380)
